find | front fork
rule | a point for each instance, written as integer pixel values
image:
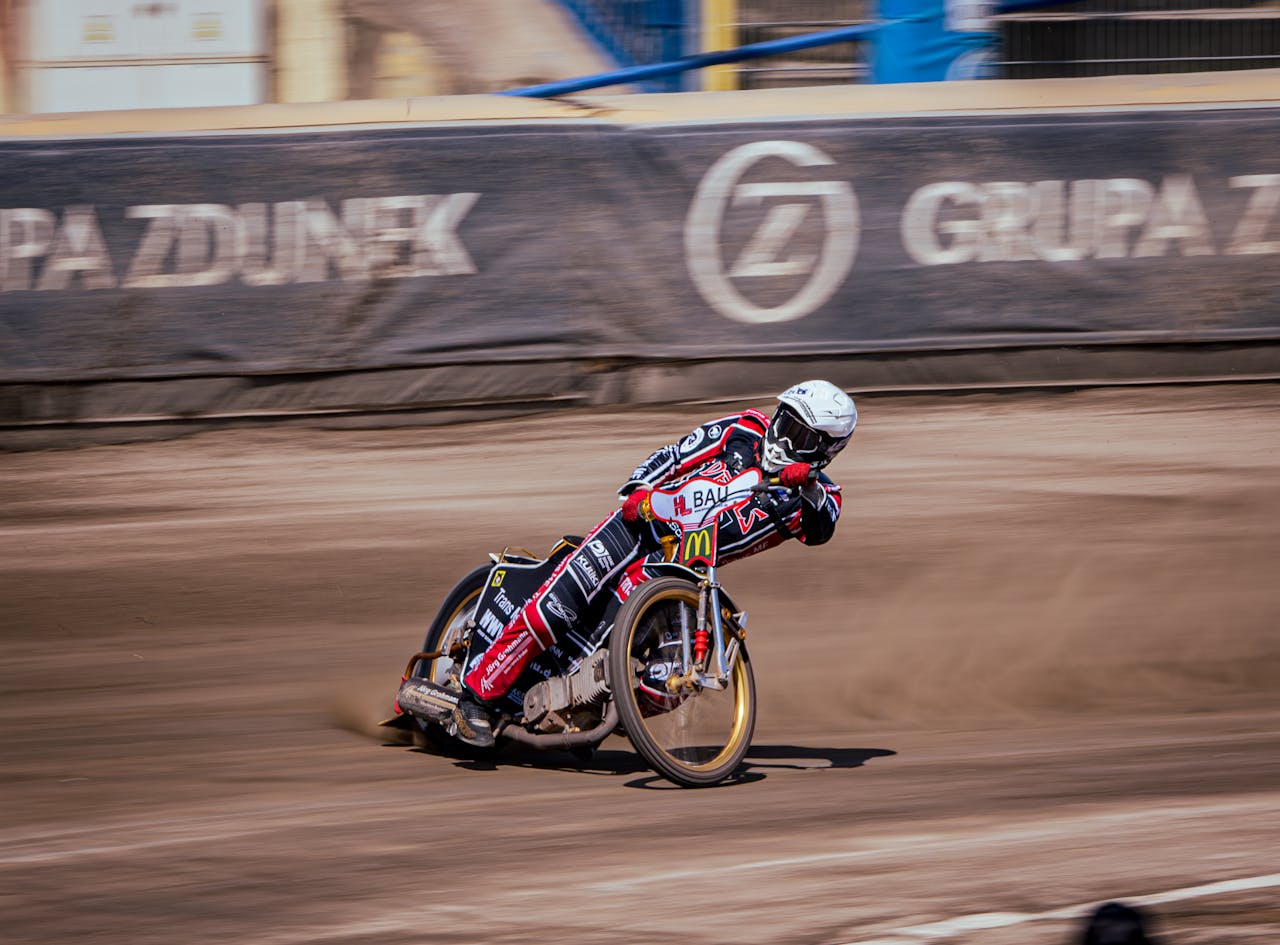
(701, 641)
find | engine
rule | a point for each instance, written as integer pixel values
(569, 703)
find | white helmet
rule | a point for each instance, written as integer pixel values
(813, 422)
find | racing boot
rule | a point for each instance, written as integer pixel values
(472, 722)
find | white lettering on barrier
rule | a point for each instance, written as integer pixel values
(1176, 215)
(197, 240)
(954, 222)
(78, 249)
(411, 236)
(949, 223)
(921, 227)
(1258, 216)
(296, 241)
(25, 235)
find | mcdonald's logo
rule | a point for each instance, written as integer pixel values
(699, 545)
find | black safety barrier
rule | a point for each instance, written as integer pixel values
(966, 232)
(331, 271)
(305, 252)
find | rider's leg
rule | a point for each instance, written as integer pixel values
(555, 608)
(547, 616)
(510, 654)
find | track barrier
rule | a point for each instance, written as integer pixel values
(470, 265)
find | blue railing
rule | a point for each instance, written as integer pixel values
(658, 29)
(640, 74)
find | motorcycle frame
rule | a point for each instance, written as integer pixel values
(709, 598)
(724, 653)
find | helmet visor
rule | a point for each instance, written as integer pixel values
(800, 441)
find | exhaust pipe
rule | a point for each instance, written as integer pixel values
(585, 739)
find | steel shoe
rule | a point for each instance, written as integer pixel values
(471, 723)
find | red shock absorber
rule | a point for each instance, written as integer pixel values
(701, 642)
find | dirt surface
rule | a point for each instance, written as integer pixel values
(1035, 669)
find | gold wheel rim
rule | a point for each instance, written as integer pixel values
(741, 699)
(468, 601)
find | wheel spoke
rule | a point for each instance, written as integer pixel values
(693, 735)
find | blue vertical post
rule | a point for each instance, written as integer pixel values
(933, 40)
(666, 18)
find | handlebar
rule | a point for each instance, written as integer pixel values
(765, 485)
(774, 483)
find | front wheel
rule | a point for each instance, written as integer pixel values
(694, 737)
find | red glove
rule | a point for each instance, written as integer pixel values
(795, 476)
(637, 507)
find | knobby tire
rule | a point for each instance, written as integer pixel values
(623, 679)
(464, 595)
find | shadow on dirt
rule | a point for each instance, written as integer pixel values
(611, 762)
(804, 758)
(778, 757)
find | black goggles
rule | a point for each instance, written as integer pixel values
(802, 442)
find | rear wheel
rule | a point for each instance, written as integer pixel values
(447, 635)
(694, 737)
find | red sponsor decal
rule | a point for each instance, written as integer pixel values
(755, 514)
(632, 578)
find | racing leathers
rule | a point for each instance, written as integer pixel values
(719, 451)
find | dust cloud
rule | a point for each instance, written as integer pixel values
(999, 556)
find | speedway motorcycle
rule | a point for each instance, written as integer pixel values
(661, 655)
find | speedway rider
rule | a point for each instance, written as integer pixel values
(812, 423)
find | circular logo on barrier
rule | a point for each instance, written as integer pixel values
(788, 266)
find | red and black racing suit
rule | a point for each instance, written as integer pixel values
(719, 449)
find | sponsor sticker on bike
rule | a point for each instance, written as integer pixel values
(699, 546)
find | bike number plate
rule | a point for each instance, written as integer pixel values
(689, 504)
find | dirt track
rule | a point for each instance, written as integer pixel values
(1036, 668)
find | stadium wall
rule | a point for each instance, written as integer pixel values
(475, 254)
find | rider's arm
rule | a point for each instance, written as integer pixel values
(731, 439)
(652, 471)
(740, 451)
(819, 510)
